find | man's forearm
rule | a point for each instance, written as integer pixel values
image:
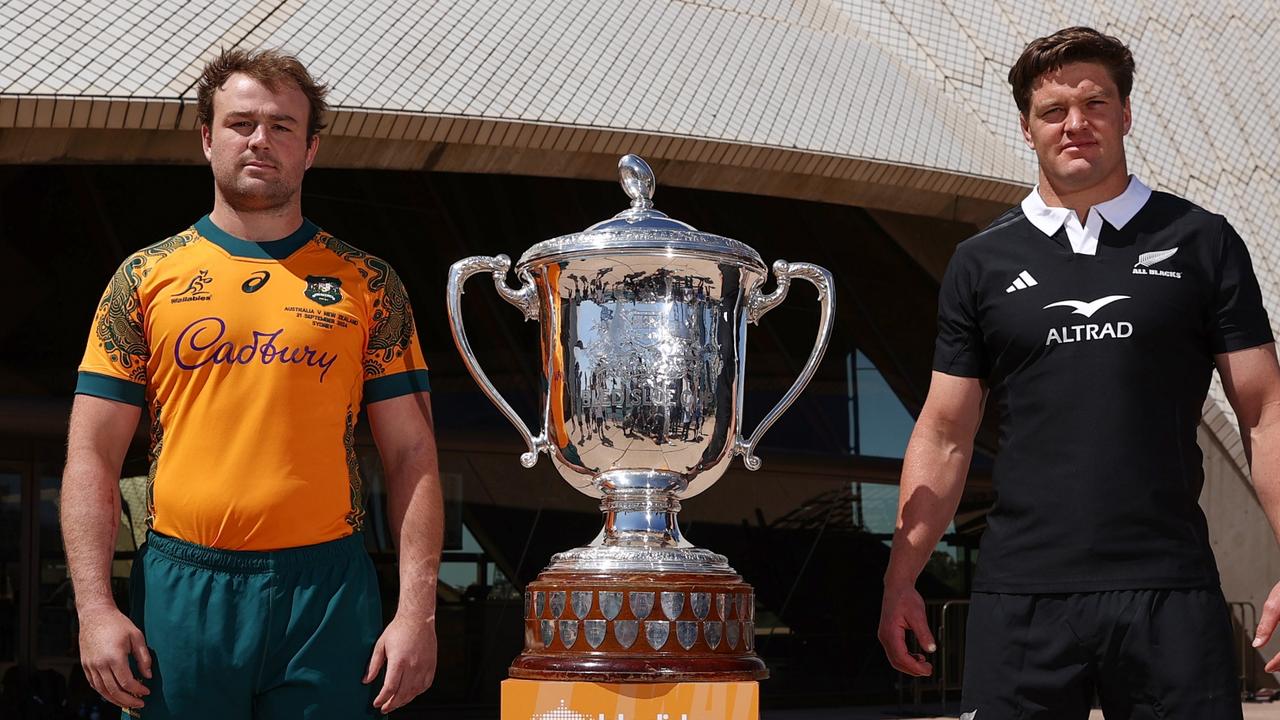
(99, 435)
(417, 520)
(933, 473)
(90, 517)
(1262, 446)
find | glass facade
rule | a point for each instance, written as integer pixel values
(11, 563)
(879, 425)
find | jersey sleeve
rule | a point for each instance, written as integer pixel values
(959, 349)
(115, 359)
(1239, 319)
(393, 360)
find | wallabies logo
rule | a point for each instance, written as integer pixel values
(324, 290)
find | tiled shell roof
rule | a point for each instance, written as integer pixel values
(910, 85)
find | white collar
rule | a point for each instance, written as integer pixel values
(1117, 211)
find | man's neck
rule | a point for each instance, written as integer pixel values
(1081, 200)
(257, 226)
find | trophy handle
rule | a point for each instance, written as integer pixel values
(757, 305)
(525, 298)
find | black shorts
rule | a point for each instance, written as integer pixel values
(1145, 654)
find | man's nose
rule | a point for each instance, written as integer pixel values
(258, 138)
(1076, 120)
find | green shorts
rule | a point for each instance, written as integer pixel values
(280, 634)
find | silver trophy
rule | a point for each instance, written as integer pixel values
(644, 323)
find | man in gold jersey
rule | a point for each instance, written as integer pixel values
(252, 339)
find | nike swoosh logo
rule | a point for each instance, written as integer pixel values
(1087, 309)
(1148, 259)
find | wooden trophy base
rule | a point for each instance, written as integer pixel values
(642, 627)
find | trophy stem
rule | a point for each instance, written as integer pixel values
(641, 518)
(641, 529)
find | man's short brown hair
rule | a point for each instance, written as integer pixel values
(269, 67)
(1070, 45)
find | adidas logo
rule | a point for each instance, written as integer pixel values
(1022, 282)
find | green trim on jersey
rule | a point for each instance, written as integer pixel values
(269, 250)
(111, 388)
(389, 386)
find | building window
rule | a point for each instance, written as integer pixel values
(879, 425)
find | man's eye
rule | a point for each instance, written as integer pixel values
(1053, 114)
(280, 128)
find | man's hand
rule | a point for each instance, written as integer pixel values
(408, 649)
(1267, 626)
(107, 638)
(902, 610)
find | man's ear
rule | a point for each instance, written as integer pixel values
(312, 146)
(1024, 123)
(206, 141)
(1128, 116)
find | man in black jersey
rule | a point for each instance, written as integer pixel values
(1094, 314)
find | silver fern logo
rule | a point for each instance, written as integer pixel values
(1147, 259)
(969, 715)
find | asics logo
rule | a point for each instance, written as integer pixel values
(1087, 309)
(256, 281)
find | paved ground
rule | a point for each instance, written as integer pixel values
(1252, 711)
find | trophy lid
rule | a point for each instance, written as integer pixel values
(640, 229)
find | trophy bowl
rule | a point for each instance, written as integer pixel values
(643, 336)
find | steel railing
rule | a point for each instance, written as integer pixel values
(1244, 617)
(948, 619)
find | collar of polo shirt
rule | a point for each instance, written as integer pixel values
(1117, 211)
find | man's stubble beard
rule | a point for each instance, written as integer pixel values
(258, 196)
(248, 195)
(1099, 171)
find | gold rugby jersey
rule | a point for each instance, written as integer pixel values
(253, 360)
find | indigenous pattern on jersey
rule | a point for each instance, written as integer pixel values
(253, 360)
(1098, 366)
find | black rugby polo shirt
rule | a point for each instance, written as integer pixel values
(1098, 366)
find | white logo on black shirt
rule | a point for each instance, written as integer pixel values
(1088, 331)
(1087, 309)
(1147, 259)
(1022, 282)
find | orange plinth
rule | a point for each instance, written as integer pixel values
(540, 700)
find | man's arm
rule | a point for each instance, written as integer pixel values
(403, 430)
(99, 437)
(933, 473)
(1251, 378)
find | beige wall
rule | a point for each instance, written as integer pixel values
(1248, 558)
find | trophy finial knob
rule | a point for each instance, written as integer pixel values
(637, 180)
